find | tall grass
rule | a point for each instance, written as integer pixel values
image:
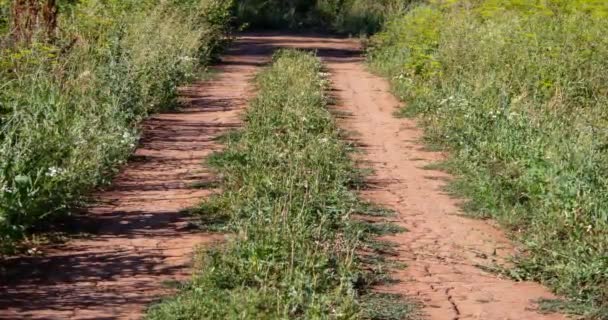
(293, 252)
(69, 109)
(517, 91)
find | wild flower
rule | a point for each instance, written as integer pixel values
(6, 189)
(54, 171)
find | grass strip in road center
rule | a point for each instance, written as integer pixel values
(294, 251)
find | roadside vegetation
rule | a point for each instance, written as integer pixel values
(517, 92)
(294, 249)
(343, 16)
(76, 78)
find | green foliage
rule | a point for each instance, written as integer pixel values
(345, 16)
(285, 193)
(516, 90)
(276, 14)
(69, 109)
(361, 16)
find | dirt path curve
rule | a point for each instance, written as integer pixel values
(141, 239)
(138, 237)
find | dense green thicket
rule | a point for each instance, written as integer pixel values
(287, 201)
(345, 16)
(69, 106)
(518, 92)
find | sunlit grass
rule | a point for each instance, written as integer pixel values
(293, 248)
(517, 91)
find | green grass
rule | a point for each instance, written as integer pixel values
(70, 108)
(293, 247)
(517, 92)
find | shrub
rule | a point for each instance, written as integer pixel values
(343, 16)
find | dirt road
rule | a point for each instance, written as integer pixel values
(141, 239)
(137, 238)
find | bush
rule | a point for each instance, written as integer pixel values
(343, 16)
(360, 17)
(516, 90)
(70, 108)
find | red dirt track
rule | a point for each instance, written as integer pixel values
(139, 238)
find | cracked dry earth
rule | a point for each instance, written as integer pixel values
(141, 239)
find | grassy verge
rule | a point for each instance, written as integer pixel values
(294, 251)
(70, 105)
(517, 92)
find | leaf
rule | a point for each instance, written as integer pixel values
(22, 179)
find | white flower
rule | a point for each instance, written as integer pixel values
(6, 189)
(128, 139)
(54, 171)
